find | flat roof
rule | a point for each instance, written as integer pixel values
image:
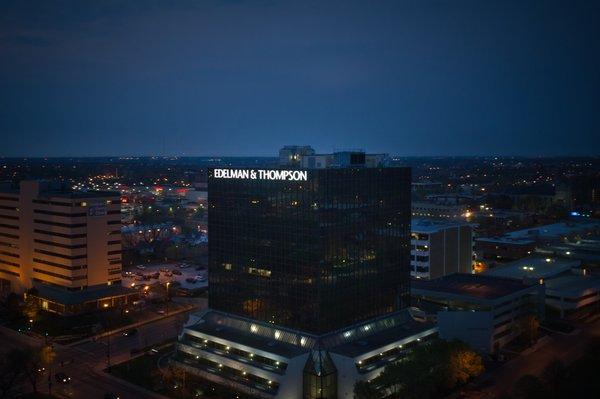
(534, 267)
(427, 225)
(211, 323)
(360, 346)
(77, 194)
(478, 286)
(505, 240)
(556, 230)
(352, 341)
(65, 297)
(572, 285)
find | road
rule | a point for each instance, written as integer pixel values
(566, 348)
(121, 346)
(85, 362)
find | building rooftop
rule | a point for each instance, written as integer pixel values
(477, 286)
(572, 285)
(426, 225)
(71, 194)
(534, 267)
(406, 327)
(249, 333)
(62, 296)
(51, 189)
(556, 230)
(506, 240)
(351, 341)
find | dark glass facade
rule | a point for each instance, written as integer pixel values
(314, 255)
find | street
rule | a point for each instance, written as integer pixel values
(85, 362)
(566, 348)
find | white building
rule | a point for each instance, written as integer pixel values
(440, 247)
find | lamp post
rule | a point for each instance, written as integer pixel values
(107, 329)
(168, 299)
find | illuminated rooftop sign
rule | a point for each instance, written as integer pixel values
(261, 174)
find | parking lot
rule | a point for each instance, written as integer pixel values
(188, 276)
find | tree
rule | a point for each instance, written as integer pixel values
(464, 364)
(365, 390)
(21, 364)
(430, 370)
(11, 371)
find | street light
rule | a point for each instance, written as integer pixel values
(168, 283)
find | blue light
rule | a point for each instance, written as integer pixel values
(575, 213)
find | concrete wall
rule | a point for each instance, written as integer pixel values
(473, 328)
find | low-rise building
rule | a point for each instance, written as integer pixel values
(269, 361)
(534, 268)
(483, 311)
(573, 294)
(502, 249)
(571, 290)
(440, 247)
(443, 211)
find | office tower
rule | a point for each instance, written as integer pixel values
(314, 254)
(308, 280)
(66, 244)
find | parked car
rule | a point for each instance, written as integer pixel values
(184, 266)
(164, 269)
(176, 272)
(191, 280)
(156, 275)
(62, 378)
(200, 278)
(141, 267)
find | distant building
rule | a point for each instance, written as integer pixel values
(534, 268)
(62, 242)
(557, 232)
(443, 211)
(522, 243)
(574, 294)
(571, 290)
(291, 155)
(306, 158)
(587, 250)
(502, 249)
(440, 247)
(483, 311)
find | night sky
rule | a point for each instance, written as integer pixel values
(83, 78)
